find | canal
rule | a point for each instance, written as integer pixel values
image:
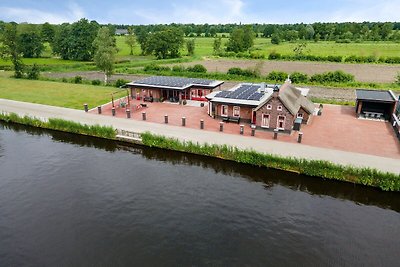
(68, 200)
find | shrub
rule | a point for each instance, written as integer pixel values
(397, 81)
(332, 77)
(197, 68)
(64, 80)
(120, 82)
(242, 72)
(178, 68)
(155, 67)
(334, 58)
(297, 77)
(33, 72)
(77, 79)
(278, 76)
(96, 82)
(274, 55)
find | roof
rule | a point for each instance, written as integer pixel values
(293, 99)
(178, 83)
(243, 94)
(121, 31)
(375, 95)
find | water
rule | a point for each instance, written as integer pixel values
(68, 200)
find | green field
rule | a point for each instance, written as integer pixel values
(55, 93)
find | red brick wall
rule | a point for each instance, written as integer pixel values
(306, 116)
(245, 112)
(274, 113)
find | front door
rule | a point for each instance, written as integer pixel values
(281, 123)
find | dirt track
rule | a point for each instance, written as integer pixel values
(341, 94)
(379, 73)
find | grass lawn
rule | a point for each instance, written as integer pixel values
(55, 93)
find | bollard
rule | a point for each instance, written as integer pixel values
(183, 121)
(166, 118)
(201, 124)
(144, 115)
(221, 126)
(85, 106)
(241, 129)
(299, 137)
(99, 109)
(276, 133)
(253, 129)
(113, 111)
(128, 113)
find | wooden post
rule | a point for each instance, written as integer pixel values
(299, 137)
(241, 129)
(113, 111)
(166, 118)
(201, 124)
(85, 107)
(221, 126)
(144, 115)
(99, 109)
(183, 121)
(128, 113)
(276, 133)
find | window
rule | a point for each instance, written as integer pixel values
(265, 121)
(279, 108)
(269, 106)
(224, 110)
(236, 111)
(281, 123)
(299, 115)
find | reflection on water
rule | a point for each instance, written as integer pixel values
(68, 200)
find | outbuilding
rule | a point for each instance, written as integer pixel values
(375, 104)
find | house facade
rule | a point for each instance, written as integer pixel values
(267, 107)
(174, 89)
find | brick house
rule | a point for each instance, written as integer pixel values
(265, 106)
(172, 89)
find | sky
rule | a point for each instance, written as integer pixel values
(135, 12)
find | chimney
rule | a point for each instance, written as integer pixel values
(288, 79)
(262, 87)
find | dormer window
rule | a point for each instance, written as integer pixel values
(279, 108)
(269, 106)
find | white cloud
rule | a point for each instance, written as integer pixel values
(72, 12)
(206, 11)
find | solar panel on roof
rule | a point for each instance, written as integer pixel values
(173, 81)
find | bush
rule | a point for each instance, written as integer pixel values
(64, 80)
(77, 79)
(274, 55)
(154, 67)
(120, 82)
(197, 68)
(96, 82)
(332, 77)
(297, 77)
(397, 81)
(33, 72)
(242, 72)
(178, 68)
(278, 76)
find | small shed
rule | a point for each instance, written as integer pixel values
(377, 104)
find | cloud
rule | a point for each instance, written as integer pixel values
(72, 12)
(206, 11)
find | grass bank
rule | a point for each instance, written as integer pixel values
(316, 168)
(62, 125)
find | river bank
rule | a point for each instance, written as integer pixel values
(317, 168)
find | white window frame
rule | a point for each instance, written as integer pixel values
(222, 110)
(263, 125)
(269, 106)
(300, 115)
(236, 109)
(283, 124)
(279, 108)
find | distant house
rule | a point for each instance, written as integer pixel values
(121, 32)
(172, 89)
(265, 106)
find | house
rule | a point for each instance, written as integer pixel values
(174, 89)
(121, 32)
(376, 104)
(265, 106)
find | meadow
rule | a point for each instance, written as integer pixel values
(55, 93)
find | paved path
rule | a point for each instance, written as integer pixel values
(202, 136)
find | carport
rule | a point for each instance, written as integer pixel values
(375, 104)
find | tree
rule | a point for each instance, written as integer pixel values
(10, 49)
(241, 39)
(142, 36)
(60, 44)
(166, 43)
(34, 72)
(299, 49)
(130, 39)
(309, 33)
(217, 45)
(248, 37)
(47, 32)
(106, 50)
(30, 44)
(275, 39)
(190, 45)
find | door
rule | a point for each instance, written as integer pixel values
(281, 123)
